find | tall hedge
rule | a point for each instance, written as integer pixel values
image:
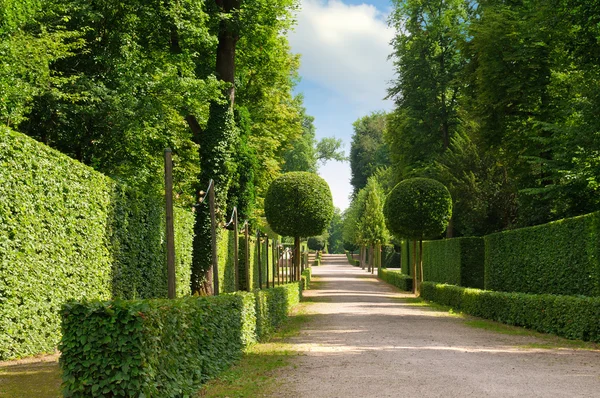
(68, 232)
(557, 258)
(457, 261)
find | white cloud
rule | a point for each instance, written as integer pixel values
(344, 48)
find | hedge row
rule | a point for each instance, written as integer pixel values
(562, 257)
(457, 261)
(163, 348)
(68, 232)
(352, 260)
(306, 278)
(567, 316)
(396, 278)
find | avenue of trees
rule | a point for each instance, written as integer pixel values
(498, 101)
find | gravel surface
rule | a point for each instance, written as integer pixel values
(364, 338)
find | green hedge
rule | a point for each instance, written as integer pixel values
(352, 260)
(557, 258)
(457, 261)
(273, 306)
(396, 278)
(163, 348)
(567, 316)
(68, 232)
(306, 278)
(152, 348)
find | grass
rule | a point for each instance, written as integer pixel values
(549, 341)
(21, 379)
(253, 375)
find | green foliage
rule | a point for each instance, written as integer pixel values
(368, 151)
(557, 258)
(165, 348)
(567, 316)
(317, 242)
(405, 256)
(418, 208)
(457, 261)
(390, 258)
(273, 306)
(68, 232)
(306, 277)
(372, 221)
(299, 204)
(396, 278)
(351, 259)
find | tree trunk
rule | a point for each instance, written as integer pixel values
(297, 257)
(421, 263)
(228, 38)
(414, 266)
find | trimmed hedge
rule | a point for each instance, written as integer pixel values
(567, 316)
(458, 261)
(163, 348)
(152, 348)
(352, 260)
(561, 257)
(273, 306)
(68, 232)
(396, 278)
(306, 277)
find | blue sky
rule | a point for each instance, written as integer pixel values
(344, 47)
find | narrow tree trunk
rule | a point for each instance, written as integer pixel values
(414, 266)
(421, 263)
(297, 257)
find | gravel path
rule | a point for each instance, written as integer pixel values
(366, 339)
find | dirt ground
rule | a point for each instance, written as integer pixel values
(364, 338)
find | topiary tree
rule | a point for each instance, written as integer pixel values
(316, 242)
(418, 208)
(372, 223)
(299, 204)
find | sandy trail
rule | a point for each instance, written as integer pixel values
(366, 339)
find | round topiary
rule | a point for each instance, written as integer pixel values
(299, 204)
(316, 243)
(418, 208)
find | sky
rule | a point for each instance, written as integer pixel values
(344, 47)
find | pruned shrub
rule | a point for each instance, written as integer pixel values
(567, 316)
(396, 278)
(68, 232)
(317, 242)
(562, 257)
(458, 261)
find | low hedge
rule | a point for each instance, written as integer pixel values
(152, 348)
(306, 278)
(573, 317)
(561, 257)
(396, 278)
(458, 261)
(273, 306)
(68, 232)
(163, 348)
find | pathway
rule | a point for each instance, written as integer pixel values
(366, 339)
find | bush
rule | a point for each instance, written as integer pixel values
(457, 261)
(152, 348)
(68, 232)
(557, 258)
(316, 242)
(163, 348)
(396, 278)
(418, 208)
(306, 277)
(299, 204)
(273, 305)
(567, 316)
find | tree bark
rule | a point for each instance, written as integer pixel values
(414, 267)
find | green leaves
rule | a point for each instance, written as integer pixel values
(68, 232)
(299, 204)
(418, 208)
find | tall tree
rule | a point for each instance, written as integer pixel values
(368, 150)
